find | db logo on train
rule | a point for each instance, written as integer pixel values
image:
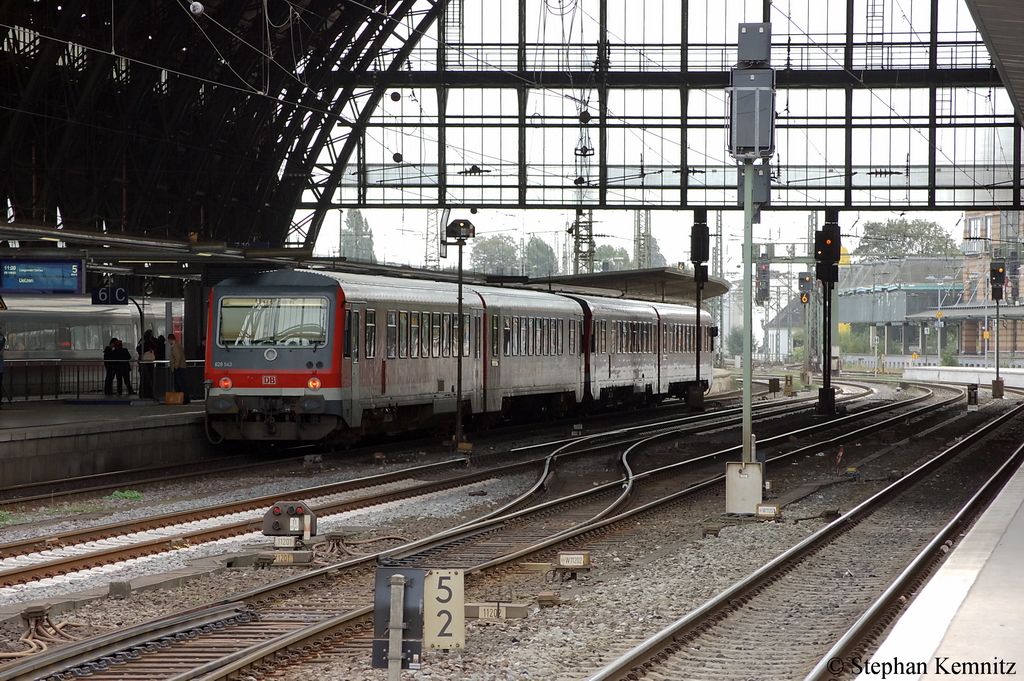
(270, 380)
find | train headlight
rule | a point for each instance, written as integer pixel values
(225, 383)
(313, 383)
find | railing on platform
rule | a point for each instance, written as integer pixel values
(54, 379)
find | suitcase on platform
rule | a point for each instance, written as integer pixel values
(174, 398)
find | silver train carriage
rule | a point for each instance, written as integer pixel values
(71, 328)
(298, 355)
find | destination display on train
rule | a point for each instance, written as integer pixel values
(40, 276)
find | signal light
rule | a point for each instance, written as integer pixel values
(804, 298)
(997, 274)
(827, 243)
(225, 383)
(277, 510)
(762, 291)
(314, 383)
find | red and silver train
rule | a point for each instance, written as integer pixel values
(310, 355)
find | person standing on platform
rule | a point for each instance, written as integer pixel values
(178, 364)
(147, 355)
(122, 359)
(110, 365)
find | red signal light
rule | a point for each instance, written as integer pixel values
(277, 510)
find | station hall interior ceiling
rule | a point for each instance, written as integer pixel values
(1001, 24)
(249, 121)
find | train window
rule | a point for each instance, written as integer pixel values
(531, 342)
(446, 335)
(560, 338)
(371, 334)
(403, 334)
(477, 336)
(495, 337)
(572, 336)
(435, 335)
(347, 349)
(414, 334)
(273, 321)
(354, 335)
(506, 337)
(516, 336)
(466, 328)
(524, 337)
(425, 334)
(392, 337)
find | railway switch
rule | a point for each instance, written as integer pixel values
(289, 519)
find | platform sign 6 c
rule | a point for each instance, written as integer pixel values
(444, 610)
(110, 296)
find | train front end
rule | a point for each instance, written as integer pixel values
(273, 354)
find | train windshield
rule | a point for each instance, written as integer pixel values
(273, 321)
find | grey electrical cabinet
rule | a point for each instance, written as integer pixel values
(755, 42)
(752, 114)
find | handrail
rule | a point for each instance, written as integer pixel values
(55, 379)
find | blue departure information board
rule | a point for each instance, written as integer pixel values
(40, 276)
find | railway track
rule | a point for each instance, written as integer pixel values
(781, 621)
(47, 491)
(345, 615)
(60, 554)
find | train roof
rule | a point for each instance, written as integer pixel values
(620, 305)
(517, 298)
(23, 303)
(370, 287)
(687, 311)
(283, 278)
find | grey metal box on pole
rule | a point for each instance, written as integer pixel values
(752, 113)
(755, 42)
(762, 184)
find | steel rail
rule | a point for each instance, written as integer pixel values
(646, 653)
(463, 531)
(886, 607)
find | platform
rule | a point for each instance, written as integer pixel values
(51, 439)
(968, 620)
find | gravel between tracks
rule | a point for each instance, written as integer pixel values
(640, 583)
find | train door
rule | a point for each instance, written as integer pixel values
(476, 353)
(352, 400)
(499, 337)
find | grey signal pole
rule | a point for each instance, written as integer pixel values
(459, 230)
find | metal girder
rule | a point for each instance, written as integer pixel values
(364, 104)
(139, 117)
(789, 78)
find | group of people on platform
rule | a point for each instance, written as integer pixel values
(117, 361)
